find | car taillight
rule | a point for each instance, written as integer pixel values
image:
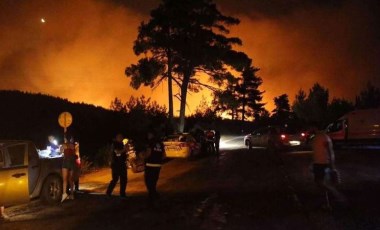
(303, 134)
(183, 145)
(283, 136)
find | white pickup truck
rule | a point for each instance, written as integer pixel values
(25, 175)
(359, 127)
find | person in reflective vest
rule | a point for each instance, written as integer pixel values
(154, 156)
(118, 166)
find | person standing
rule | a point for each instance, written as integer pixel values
(68, 167)
(118, 166)
(77, 169)
(53, 146)
(3, 216)
(154, 156)
(324, 162)
(217, 142)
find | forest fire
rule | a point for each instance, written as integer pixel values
(86, 45)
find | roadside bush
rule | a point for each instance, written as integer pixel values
(86, 165)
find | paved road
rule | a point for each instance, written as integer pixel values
(240, 190)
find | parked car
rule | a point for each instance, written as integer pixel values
(359, 126)
(25, 175)
(276, 137)
(181, 146)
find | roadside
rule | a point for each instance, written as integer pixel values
(183, 184)
(240, 190)
(360, 176)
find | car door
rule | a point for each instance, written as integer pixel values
(33, 167)
(14, 175)
(263, 140)
(255, 137)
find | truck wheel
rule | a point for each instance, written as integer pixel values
(51, 192)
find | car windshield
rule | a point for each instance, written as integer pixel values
(290, 130)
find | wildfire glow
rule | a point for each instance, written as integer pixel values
(83, 54)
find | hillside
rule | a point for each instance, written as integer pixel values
(35, 116)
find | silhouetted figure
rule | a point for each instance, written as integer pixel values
(154, 156)
(323, 163)
(68, 166)
(118, 166)
(217, 141)
(77, 169)
(210, 141)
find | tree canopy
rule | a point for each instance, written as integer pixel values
(312, 108)
(368, 98)
(281, 112)
(186, 40)
(242, 99)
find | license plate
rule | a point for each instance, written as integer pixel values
(294, 143)
(173, 148)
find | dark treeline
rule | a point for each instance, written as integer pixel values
(35, 116)
(310, 108)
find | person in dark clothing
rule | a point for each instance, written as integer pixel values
(217, 141)
(154, 156)
(118, 166)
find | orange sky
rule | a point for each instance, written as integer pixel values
(80, 53)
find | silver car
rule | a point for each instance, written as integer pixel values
(276, 137)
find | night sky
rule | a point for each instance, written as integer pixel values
(82, 49)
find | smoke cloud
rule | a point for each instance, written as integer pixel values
(82, 49)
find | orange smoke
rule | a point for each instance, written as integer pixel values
(82, 49)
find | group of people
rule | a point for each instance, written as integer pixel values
(153, 155)
(209, 140)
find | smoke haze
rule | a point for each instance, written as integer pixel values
(82, 49)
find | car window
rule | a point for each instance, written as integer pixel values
(273, 131)
(259, 132)
(264, 131)
(336, 126)
(17, 155)
(190, 138)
